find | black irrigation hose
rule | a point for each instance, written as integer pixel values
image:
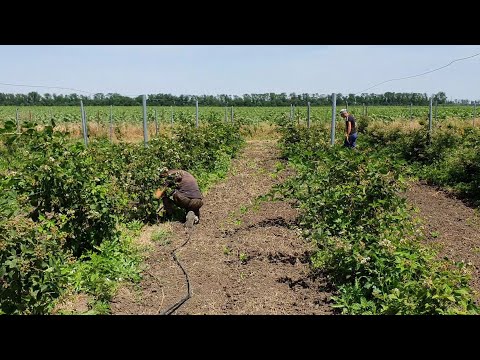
(175, 306)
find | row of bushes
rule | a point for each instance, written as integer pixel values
(368, 243)
(61, 200)
(448, 157)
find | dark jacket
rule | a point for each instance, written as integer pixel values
(183, 182)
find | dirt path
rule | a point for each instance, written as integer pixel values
(240, 259)
(449, 225)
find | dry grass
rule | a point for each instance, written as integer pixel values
(394, 126)
(72, 304)
(127, 132)
(123, 132)
(262, 131)
(406, 126)
(145, 241)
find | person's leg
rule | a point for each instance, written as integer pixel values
(168, 205)
(195, 205)
(353, 140)
(181, 200)
(188, 204)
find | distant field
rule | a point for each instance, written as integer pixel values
(244, 115)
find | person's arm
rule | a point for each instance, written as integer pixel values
(159, 193)
(168, 185)
(349, 129)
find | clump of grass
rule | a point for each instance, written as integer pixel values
(161, 236)
(243, 258)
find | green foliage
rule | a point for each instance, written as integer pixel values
(226, 250)
(99, 272)
(450, 158)
(30, 262)
(367, 241)
(267, 99)
(243, 258)
(362, 123)
(58, 181)
(135, 226)
(61, 204)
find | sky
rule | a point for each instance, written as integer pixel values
(133, 70)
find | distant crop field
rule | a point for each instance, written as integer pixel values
(243, 115)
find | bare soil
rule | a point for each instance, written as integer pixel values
(248, 259)
(241, 258)
(450, 226)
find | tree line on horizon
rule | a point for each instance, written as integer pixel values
(266, 99)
